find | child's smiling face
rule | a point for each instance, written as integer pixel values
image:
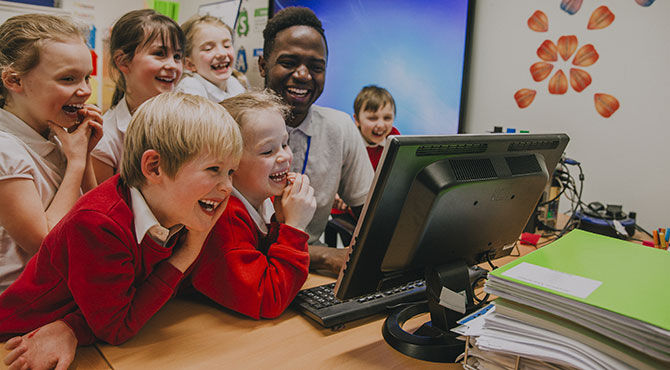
(266, 157)
(375, 126)
(58, 86)
(198, 193)
(154, 69)
(213, 54)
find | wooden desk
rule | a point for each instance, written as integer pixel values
(190, 334)
(187, 334)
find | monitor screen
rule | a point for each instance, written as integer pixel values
(418, 51)
(437, 200)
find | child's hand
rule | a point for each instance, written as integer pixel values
(91, 115)
(50, 346)
(189, 246)
(297, 202)
(339, 203)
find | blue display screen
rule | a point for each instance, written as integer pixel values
(414, 49)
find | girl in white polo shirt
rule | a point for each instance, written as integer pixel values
(146, 51)
(46, 132)
(210, 59)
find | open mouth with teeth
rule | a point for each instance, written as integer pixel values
(220, 67)
(296, 93)
(279, 177)
(167, 80)
(209, 206)
(379, 132)
(72, 108)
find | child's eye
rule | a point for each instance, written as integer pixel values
(214, 169)
(231, 172)
(177, 56)
(67, 79)
(267, 152)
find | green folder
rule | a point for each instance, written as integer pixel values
(635, 280)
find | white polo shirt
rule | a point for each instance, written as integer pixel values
(114, 125)
(329, 147)
(195, 84)
(26, 154)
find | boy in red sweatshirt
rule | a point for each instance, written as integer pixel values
(121, 252)
(259, 262)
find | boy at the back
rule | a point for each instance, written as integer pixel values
(121, 252)
(374, 113)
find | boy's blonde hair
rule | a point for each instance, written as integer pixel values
(178, 126)
(22, 36)
(240, 105)
(371, 98)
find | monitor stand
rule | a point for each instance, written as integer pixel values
(433, 341)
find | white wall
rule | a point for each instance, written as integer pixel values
(626, 158)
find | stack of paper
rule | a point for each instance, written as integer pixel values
(586, 301)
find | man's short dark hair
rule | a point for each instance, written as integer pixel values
(289, 17)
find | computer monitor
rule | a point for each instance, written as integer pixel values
(440, 204)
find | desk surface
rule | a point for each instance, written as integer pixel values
(202, 335)
(198, 334)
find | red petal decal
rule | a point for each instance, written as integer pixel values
(541, 70)
(558, 84)
(600, 18)
(586, 55)
(566, 46)
(524, 97)
(579, 79)
(547, 51)
(538, 22)
(606, 104)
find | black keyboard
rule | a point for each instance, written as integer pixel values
(320, 303)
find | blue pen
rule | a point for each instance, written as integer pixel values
(667, 234)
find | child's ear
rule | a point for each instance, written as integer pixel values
(151, 166)
(189, 65)
(358, 124)
(122, 62)
(261, 66)
(11, 80)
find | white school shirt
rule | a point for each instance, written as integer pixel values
(26, 154)
(145, 221)
(114, 125)
(193, 83)
(261, 217)
(337, 162)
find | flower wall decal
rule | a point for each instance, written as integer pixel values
(566, 47)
